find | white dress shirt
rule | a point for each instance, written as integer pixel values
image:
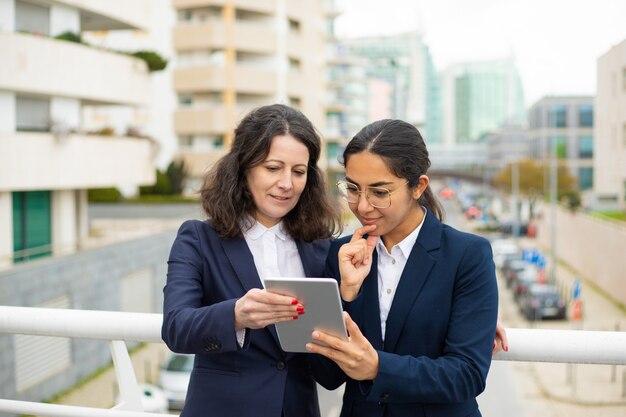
(275, 255)
(390, 267)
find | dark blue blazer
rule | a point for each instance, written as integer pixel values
(439, 332)
(206, 275)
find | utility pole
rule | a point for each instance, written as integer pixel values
(553, 207)
(515, 198)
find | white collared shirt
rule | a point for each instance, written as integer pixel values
(275, 254)
(390, 268)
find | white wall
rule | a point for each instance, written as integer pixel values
(65, 111)
(64, 19)
(6, 229)
(7, 15)
(63, 222)
(7, 111)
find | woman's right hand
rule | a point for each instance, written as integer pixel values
(355, 262)
(259, 308)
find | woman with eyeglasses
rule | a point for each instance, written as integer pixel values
(420, 297)
(269, 215)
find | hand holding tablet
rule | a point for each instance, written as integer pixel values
(322, 310)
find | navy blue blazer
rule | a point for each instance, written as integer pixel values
(439, 332)
(206, 275)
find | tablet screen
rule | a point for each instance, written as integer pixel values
(322, 310)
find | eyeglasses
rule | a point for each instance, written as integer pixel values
(377, 196)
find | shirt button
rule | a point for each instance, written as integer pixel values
(280, 365)
(393, 261)
(388, 290)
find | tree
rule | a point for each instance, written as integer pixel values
(177, 174)
(534, 180)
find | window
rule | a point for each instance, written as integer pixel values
(185, 141)
(332, 151)
(585, 178)
(32, 114)
(185, 100)
(585, 147)
(31, 225)
(557, 115)
(294, 64)
(32, 18)
(294, 25)
(585, 115)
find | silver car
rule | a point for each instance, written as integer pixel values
(174, 379)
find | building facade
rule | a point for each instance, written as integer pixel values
(47, 159)
(237, 55)
(564, 126)
(610, 130)
(404, 62)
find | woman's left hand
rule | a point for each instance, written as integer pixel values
(356, 357)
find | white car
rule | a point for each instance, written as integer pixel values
(174, 379)
(152, 399)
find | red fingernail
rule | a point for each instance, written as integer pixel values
(294, 301)
(506, 348)
(295, 317)
(300, 310)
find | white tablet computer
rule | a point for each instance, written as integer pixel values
(322, 310)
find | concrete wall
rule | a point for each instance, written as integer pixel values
(92, 280)
(593, 247)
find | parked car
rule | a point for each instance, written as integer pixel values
(174, 379)
(511, 268)
(523, 280)
(543, 301)
(503, 248)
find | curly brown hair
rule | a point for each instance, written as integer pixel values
(225, 195)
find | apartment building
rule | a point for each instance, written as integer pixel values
(610, 130)
(563, 126)
(47, 160)
(236, 55)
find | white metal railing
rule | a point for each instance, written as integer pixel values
(533, 345)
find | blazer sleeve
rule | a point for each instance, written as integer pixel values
(459, 374)
(189, 326)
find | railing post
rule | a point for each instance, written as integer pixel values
(129, 390)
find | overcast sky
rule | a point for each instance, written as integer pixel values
(555, 42)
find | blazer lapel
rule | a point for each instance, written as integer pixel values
(370, 307)
(242, 261)
(414, 276)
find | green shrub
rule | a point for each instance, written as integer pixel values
(161, 186)
(154, 61)
(70, 37)
(104, 195)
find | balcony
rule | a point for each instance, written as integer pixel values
(38, 65)
(36, 161)
(197, 162)
(210, 120)
(262, 6)
(249, 37)
(245, 79)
